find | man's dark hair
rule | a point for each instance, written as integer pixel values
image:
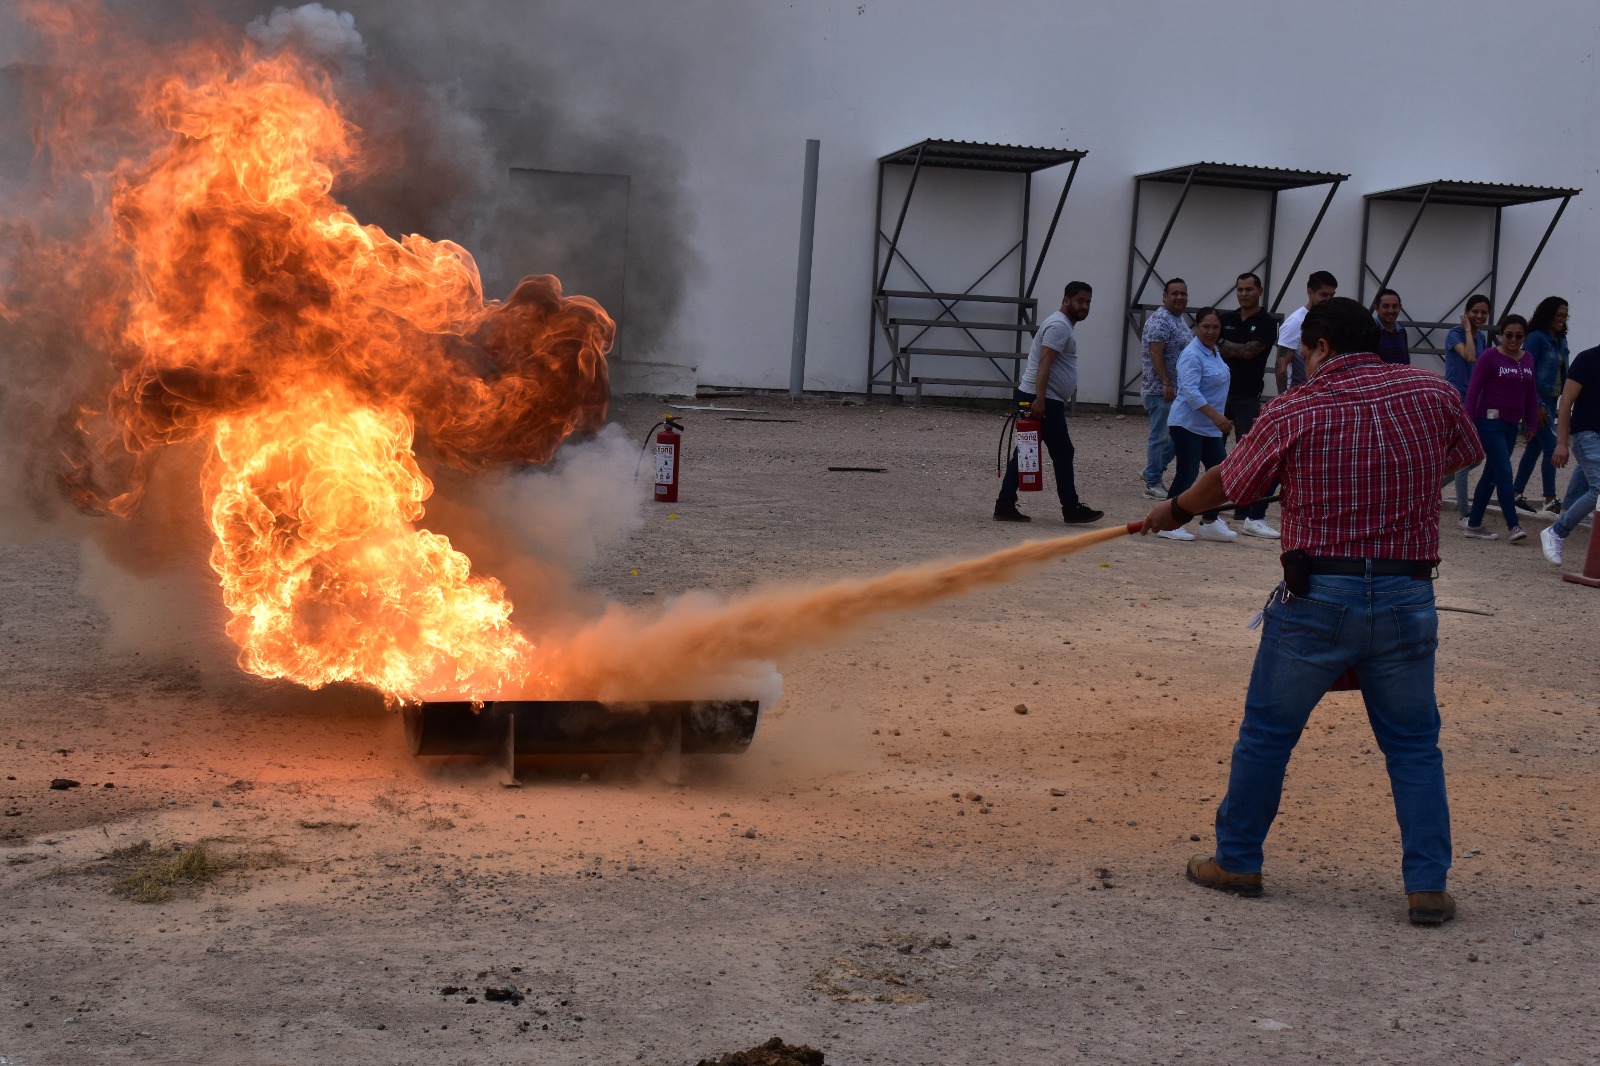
(1545, 313)
(1376, 300)
(1475, 299)
(1075, 287)
(1321, 279)
(1343, 323)
(1171, 282)
(1252, 276)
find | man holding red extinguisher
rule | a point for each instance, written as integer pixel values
(1360, 450)
(1053, 360)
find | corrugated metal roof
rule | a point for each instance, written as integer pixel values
(1473, 193)
(972, 155)
(1240, 176)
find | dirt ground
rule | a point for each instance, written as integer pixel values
(903, 868)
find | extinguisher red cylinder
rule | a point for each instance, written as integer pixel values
(1030, 469)
(669, 443)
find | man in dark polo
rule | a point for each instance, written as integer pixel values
(1248, 337)
(1360, 450)
(1392, 346)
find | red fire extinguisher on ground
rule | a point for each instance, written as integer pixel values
(669, 443)
(1024, 428)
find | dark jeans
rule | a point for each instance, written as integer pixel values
(1058, 442)
(1191, 450)
(1541, 446)
(1242, 411)
(1498, 437)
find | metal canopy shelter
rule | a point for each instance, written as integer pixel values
(1272, 180)
(895, 371)
(1458, 194)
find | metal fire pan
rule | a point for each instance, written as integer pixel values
(508, 728)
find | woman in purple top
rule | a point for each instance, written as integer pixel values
(1501, 396)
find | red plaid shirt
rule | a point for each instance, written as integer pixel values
(1360, 450)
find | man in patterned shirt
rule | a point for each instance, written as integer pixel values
(1166, 334)
(1360, 450)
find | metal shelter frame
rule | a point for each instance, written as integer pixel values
(1273, 180)
(895, 371)
(1458, 194)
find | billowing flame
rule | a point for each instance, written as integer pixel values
(240, 304)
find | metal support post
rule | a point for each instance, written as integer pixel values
(1128, 318)
(802, 281)
(1494, 266)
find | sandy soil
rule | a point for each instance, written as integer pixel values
(842, 885)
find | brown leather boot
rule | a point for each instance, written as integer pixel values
(1203, 870)
(1431, 908)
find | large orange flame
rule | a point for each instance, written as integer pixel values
(239, 303)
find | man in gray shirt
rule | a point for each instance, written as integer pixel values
(1053, 359)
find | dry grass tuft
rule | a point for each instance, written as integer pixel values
(145, 873)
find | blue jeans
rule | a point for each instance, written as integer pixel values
(1158, 452)
(1193, 449)
(1584, 486)
(1386, 627)
(1541, 445)
(1498, 437)
(1058, 442)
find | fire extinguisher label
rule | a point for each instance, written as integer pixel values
(664, 457)
(1028, 452)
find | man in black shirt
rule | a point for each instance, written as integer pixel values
(1248, 337)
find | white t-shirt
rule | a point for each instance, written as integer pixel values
(1289, 337)
(1056, 332)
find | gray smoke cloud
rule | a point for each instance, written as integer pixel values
(311, 29)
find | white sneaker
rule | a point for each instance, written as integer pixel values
(1257, 527)
(1217, 529)
(1550, 541)
(1154, 492)
(1463, 522)
(1176, 534)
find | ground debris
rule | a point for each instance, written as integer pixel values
(773, 1053)
(61, 784)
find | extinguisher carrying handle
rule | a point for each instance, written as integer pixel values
(672, 422)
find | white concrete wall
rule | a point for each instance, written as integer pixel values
(1393, 94)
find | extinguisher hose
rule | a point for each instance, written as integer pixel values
(1007, 432)
(644, 447)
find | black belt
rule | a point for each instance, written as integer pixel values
(1421, 569)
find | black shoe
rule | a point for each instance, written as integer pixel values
(1081, 515)
(1526, 507)
(1012, 515)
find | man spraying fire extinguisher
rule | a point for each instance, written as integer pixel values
(1053, 360)
(1360, 448)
